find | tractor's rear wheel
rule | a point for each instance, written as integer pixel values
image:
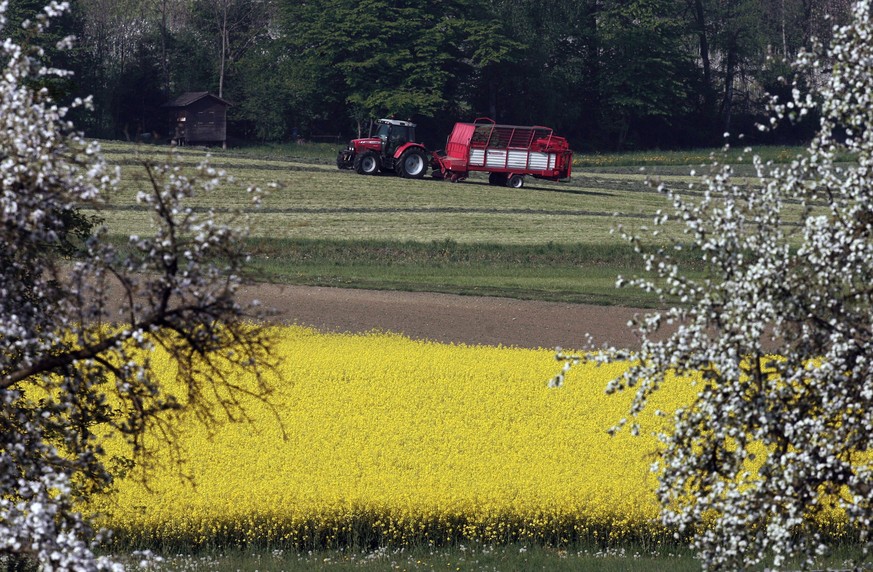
(412, 164)
(367, 163)
(516, 181)
(498, 179)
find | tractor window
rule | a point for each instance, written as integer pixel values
(396, 138)
(399, 135)
(382, 132)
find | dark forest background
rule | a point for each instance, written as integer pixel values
(608, 74)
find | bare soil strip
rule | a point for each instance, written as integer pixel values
(447, 318)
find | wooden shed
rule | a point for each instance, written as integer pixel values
(198, 117)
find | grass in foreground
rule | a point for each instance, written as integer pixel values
(473, 557)
(581, 273)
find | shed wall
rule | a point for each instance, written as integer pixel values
(205, 121)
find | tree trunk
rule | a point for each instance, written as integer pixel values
(784, 41)
(224, 38)
(591, 94)
(492, 98)
(165, 64)
(729, 73)
(703, 40)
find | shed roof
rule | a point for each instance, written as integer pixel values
(190, 97)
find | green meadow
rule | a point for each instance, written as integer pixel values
(317, 225)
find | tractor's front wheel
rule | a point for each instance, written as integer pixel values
(413, 164)
(344, 160)
(367, 163)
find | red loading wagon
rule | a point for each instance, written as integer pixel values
(507, 152)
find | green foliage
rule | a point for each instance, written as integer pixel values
(552, 77)
(646, 71)
(259, 89)
(77, 228)
(393, 58)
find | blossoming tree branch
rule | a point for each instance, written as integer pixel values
(75, 333)
(778, 334)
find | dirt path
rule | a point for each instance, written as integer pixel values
(448, 318)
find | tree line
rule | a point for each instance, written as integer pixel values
(608, 74)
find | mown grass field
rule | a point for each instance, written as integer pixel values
(317, 201)
(322, 226)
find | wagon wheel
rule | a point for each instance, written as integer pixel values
(516, 181)
(367, 163)
(413, 163)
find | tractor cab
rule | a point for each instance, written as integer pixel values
(394, 133)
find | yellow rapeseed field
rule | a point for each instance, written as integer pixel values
(382, 439)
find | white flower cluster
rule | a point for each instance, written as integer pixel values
(60, 335)
(778, 334)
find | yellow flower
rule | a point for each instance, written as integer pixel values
(380, 439)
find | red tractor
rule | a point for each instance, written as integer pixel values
(391, 149)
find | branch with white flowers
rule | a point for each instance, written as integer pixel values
(777, 335)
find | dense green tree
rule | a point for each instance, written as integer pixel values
(171, 16)
(554, 79)
(646, 74)
(600, 71)
(382, 57)
(21, 16)
(130, 46)
(738, 36)
(192, 61)
(273, 98)
(135, 102)
(743, 47)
